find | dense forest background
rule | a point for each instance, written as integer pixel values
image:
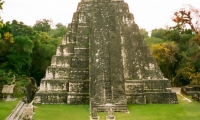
(26, 51)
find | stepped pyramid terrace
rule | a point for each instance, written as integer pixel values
(103, 61)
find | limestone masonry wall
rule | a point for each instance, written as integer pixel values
(103, 61)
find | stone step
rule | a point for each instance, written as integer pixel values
(18, 115)
(16, 111)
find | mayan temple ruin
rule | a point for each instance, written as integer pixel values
(103, 61)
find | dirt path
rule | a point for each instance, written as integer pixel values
(178, 92)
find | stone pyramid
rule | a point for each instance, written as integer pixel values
(103, 61)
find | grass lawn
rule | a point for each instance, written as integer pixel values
(183, 111)
(7, 107)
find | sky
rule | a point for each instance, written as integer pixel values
(148, 14)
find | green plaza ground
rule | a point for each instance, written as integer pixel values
(183, 111)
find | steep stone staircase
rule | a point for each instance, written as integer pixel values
(17, 112)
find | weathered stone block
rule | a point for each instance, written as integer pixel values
(136, 98)
(51, 97)
(163, 98)
(79, 74)
(190, 90)
(27, 113)
(79, 87)
(77, 98)
(54, 85)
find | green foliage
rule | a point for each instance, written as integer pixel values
(188, 63)
(158, 33)
(153, 40)
(172, 35)
(90, 32)
(173, 48)
(20, 29)
(21, 82)
(1, 7)
(42, 25)
(22, 45)
(5, 28)
(6, 41)
(59, 31)
(19, 57)
(197, 63)
(165, 54)
(196, 39)
(26, 51)
(144, 33)
(187, 70)
(184, 73)
(184, 38)
(4, 79)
